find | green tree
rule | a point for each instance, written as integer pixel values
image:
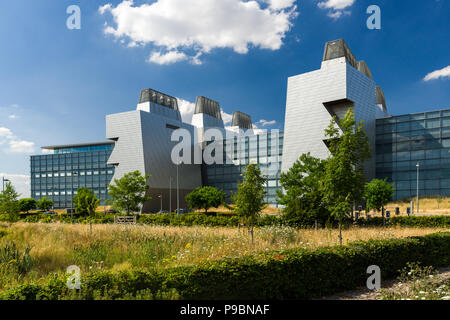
(344, 179)
(9, 204)
(45, 204)
(27, 204)
(378, 193)
(128, 192)
(249, 200)
(302, 195)
(85, 203)
(205, 198)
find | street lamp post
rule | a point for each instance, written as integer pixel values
(178, 188)
(170, 195)
(3, 182)
(417, 192)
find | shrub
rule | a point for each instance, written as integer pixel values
(288, 274)
(411, 221)
(12, 259)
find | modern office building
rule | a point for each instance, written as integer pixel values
(313, 98)
(181, 156)
(58, 176)
(423, 139)
(264, 149)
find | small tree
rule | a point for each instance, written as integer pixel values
(302, 195)
(249, 199)
(344, 170)
(86, 202)
(8, 202)
(439, 201)
(27, 204)
(378, 193)
(128, 192)
(45, 204)
(205, 198)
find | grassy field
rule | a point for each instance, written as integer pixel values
(426, 205)
(54, 247)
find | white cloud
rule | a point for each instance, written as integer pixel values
(188, 29)
(13, 143)
(5, 133)
(20, 182)
(442, 73)
(21, 146)
(167, 58)
(187, 110)
(336, 7)
(226, 117)
(280, 4)
(266, 123)
(12, 116)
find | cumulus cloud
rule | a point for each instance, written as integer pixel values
(20, 182)
(167, 58)
(181, 30)
(187, 110)
(336, 7)
(266, 123)
(442, 73)
(12, 143)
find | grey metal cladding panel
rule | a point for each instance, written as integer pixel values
(241, 120)
(208, 106)
(306, 117)
(128, 152)
(337, 49)
(361, 90)
(380, 97)
(364, 68)
(157, 154)
(150, 95)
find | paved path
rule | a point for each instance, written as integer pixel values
(363, 293)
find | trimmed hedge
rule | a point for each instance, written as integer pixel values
(288, 274)
(231, 220)
(411, 221)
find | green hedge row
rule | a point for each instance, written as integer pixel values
(411, 221)
(289, 274)
(231, 220)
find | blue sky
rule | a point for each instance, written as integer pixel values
(57, 84)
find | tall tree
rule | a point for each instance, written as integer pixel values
(344, 171)
(378, 193)
(249, 200)
(8, 202)
(45, 204)
(128, 192)
(205, 198)
(86, 202)
(27, 204)
(302, 194)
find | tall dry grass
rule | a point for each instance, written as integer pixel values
(437, 205)
(54, 247)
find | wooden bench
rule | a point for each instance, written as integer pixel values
(125, 219)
